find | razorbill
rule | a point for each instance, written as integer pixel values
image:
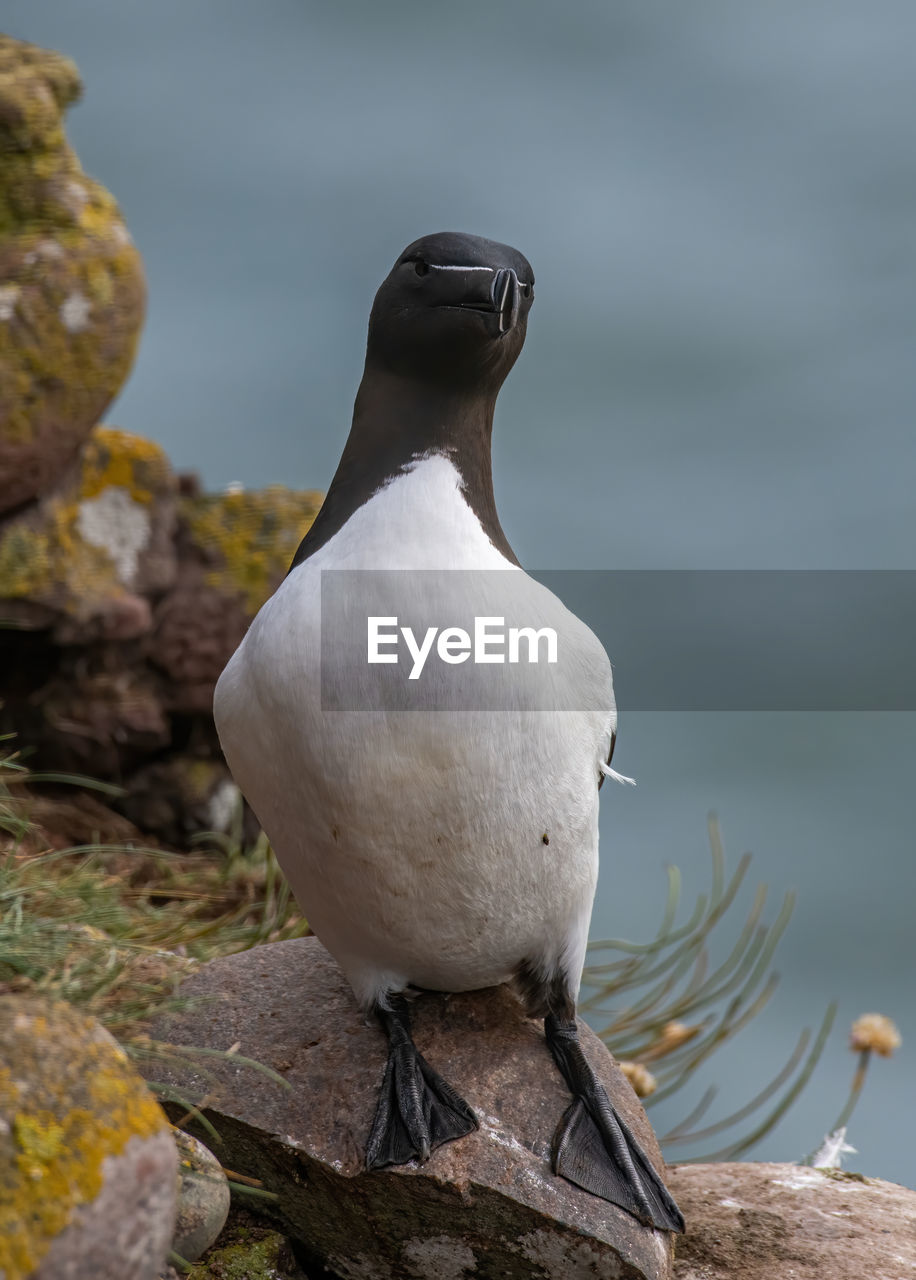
(447, 848)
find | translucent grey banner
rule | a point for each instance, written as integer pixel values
(710, 640)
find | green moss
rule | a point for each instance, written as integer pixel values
(250, 538)
(253, 1259)
(69, 1099)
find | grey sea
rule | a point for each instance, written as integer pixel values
(720, 205)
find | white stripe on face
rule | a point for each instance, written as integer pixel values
(438, 266)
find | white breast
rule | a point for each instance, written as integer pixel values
(420, 520)
(415, 840)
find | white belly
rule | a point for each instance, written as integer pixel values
(437, 848)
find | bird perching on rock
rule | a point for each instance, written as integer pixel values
(448, 841)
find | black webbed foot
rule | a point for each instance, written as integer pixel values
(417, 1110)
(594, 1147)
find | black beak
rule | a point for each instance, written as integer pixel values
(501, 299)
(505, 298)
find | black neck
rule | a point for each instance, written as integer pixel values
(395, 421)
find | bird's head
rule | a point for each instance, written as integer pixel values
(452, 311)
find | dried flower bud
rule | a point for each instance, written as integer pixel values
(874, 1031)
(640, 1077)
(674, 1034)
(671, 1037)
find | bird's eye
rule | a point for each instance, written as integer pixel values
(526, 290)
(421, 267)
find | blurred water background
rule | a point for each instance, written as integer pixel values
(719, 201)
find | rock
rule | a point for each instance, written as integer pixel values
(246, 539)
(235, 549)
(122, 597)
(95, 716)
(116, 617)
(85, 558)
(87, 1163)
(786, 1222)
(203, 1198)
(178, 798)
(82, 566)
(487, 1205)
(72, 290)
(100, 722)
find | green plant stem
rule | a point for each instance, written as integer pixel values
(858, 1080)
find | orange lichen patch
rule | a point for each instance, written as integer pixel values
(69, 1099)
(249, 539)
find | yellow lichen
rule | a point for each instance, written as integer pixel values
(100, 283)
(41, 1140)
(250, 538)
(44, 556)
(36, 86)
(113, 457)
(78, 372)
(53, 563)
(82, 1104)
(64, 239)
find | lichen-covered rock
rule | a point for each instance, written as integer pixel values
(234, 550)
(247, 539)
(88, 1168)
(72, 290)
(487, 1205)
(123, 594)
(86, 557)
(786, 1222)
(203, 1198)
